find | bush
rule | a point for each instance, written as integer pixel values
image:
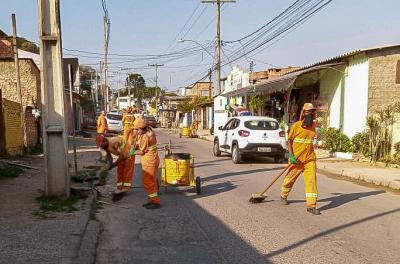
(336, 141)
(360, 143)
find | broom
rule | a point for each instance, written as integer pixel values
(260, 197)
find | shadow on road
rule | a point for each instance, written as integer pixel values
(329, 231)
(341, 199)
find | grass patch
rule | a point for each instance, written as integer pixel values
(36, 150)
(48, 205)
(10, 172)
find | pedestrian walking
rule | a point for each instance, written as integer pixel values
(147, 148)
(302, 158)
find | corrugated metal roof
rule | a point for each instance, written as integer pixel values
(345, 55)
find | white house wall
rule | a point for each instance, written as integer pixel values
(355, 96)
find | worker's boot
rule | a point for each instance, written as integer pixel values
(146, 204)
(284, 201)
(313, 211)
(152, 206)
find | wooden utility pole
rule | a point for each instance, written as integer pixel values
(18, 77)
(52, 91)
(218, 42)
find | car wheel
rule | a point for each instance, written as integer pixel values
(236, 156)
(216, 150)
(279, 159)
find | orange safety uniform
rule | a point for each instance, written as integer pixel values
(150, 160)
(102, 126)
(127, 122)
(303, 150)
(125, 167)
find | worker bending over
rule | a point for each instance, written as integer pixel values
(125, 163)
(302, 158)
(147, 148)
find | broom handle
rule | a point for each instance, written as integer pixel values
(280, 174)
(275, 179)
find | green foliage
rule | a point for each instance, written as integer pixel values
(27, 45)
(51, 204)
(36, 150)
(87, 103)
(336, 141)
(360, 142)
(185, 106)
(10, 171)
(255, 102)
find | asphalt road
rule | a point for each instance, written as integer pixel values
(358, 224)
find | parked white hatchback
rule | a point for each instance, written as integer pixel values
(251, 135)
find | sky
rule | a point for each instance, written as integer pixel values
(151, 27)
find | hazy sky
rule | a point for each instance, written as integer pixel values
(150, 27)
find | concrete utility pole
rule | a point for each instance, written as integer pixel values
(107, 107)
(52, 91)
(210, 88)
(156, 81)
(18, 77)
(72, 115)
(218, 42)
(96, 94)
(129, 89)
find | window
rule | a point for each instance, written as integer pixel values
(261, 125)
(398, 72)
(204, 93)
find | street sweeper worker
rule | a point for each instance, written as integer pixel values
(102, 126)
(125, 162)
(127, 122)
(302, 158)
(147, 148)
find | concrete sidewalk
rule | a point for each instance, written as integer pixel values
(63, 238)
(362, 171)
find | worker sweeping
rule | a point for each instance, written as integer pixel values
(147, 148)
(125, 162)
(302, 158)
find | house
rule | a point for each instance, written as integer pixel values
(346, 89)
(13, 141)
(200, 89)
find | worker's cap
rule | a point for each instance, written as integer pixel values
(139, 123)
(100, 139)
(308, 106)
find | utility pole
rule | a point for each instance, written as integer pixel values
(96, 94)
(18, 77)
(156, 81)
(102, 86)
(105, 63)
(129, 89)
(72, 116)
(55, 145)
(209, 89)
(218, 42)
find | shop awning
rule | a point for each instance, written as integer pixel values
(279, 84)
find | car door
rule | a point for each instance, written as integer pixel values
(230, 133)
(223, 139)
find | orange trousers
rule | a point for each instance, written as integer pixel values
(125, 173)
(149, 175)
(310, 181)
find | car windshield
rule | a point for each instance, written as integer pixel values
(261, 125)
(114, 117)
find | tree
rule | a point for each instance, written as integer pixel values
(27, 45)
(85, 75)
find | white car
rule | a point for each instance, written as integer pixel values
(251, 135)
(114, 121)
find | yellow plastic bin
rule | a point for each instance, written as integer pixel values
(185, 132)
(178, 170)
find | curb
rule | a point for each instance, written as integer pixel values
(87, 249)
(376, 180)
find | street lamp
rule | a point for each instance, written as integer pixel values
(196, 42)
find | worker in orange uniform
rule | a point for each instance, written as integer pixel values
(102, 126)
(147, 148)
(302, 158)
(102, 129)
(125, 163)
(127, 122)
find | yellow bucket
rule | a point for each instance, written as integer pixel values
(177, 171)
(185, 132)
